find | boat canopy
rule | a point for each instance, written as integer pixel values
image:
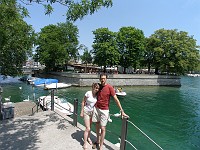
(45, 81)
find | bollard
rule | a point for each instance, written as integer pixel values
(52, 100)
(123, 133)
(75, 120)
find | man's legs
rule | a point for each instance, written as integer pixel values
(101, 123)
(103, 133)
(97, 132)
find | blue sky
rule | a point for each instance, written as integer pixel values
(146, 15)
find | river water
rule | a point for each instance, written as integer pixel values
(168, 115)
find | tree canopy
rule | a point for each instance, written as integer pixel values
(166, 50)
(74, 9)
(172, 51)
(16, 38)
(105, 48)
(131, 45)
(57, 44)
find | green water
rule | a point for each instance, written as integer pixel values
(168, 115)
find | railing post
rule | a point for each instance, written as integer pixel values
(1, 116)
(38, 103)
(75, 116)
(43, 103)
(123, 133)
(52, 100)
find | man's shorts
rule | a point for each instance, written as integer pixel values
(101, 116)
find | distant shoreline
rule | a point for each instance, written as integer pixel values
(85, 79)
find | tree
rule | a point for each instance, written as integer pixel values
(104, 48)
(16, 38)
(74, 9)
(173, 51)
(86, 57)
(131, 45)
(57, 44)
(152, 54)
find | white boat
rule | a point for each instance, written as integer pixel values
(193, 75)
(56, 86)
(119, 92)
(64, 107)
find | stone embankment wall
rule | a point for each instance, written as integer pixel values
(84, 79)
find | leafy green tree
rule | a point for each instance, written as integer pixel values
(74, 9)
(104, 48)
(57, 44)
(16, 38)
(173, 51)
(86, 57)
(131, 45)
(152, 54)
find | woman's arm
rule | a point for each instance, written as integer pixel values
(82, 106)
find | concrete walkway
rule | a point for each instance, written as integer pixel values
(43, 131)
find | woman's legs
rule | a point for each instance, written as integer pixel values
(86, 133)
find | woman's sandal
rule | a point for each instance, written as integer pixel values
(89, 141)
(85, 146)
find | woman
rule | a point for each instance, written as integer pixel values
(87, 107)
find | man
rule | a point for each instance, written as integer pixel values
(101, 111)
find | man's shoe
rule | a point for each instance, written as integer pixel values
(95, 145)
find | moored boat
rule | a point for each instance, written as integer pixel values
(42, 81)
(119, 92)
(62, 106)
(56, 86)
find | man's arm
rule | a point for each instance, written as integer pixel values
(119, 105)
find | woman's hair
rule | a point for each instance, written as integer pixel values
(95, 85)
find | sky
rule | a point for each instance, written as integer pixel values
(146, 15)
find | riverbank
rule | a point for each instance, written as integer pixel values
(84, 79)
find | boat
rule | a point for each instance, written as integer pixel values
(56, 86)
(119, 92)
(43, 81)
(193, 75)
(31, 80)
(59, 104)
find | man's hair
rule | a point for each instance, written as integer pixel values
(103, 74)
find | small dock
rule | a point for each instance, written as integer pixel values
(43, 130)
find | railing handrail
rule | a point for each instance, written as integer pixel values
(145, 135)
